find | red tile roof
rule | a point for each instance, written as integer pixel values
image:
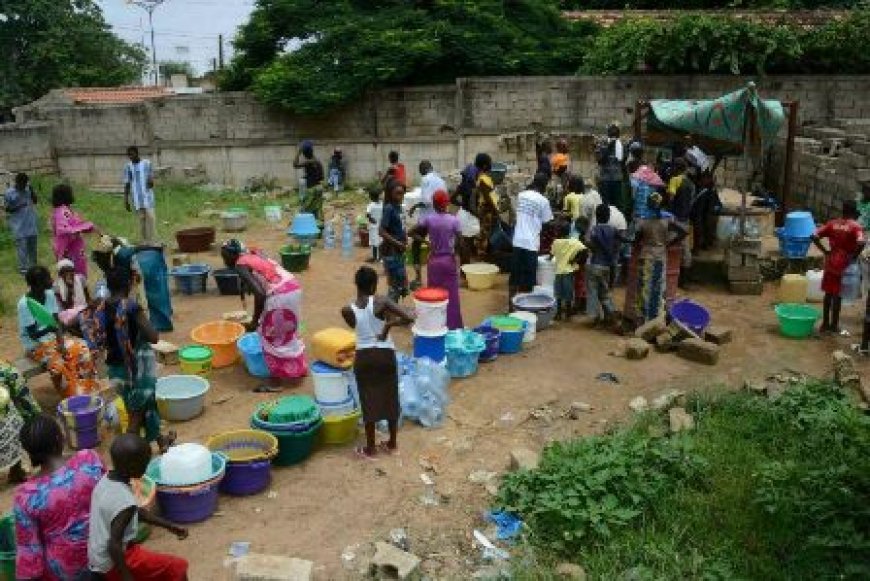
(100, 95)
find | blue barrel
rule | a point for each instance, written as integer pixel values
(430, 345)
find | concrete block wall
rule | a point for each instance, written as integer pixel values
(234, 137)
(26, 147)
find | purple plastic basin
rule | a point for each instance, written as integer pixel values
(244, 478)
(80, 416)
(188, 505)
(491, 337)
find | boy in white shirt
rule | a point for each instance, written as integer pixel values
(139, 193)
(533, 211)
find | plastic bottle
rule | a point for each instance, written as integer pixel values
(329, 235)
(346, 239)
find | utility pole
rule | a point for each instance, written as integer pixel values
(221, 51)
(150, 6)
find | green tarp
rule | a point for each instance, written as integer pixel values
(726, 119)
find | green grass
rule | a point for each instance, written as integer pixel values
(178, 206)
(765, 490)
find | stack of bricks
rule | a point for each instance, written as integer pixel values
(742, 266)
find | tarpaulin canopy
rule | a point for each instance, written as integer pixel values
(730, 121)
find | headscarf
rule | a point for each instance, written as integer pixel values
(648, 176)
(440, 200)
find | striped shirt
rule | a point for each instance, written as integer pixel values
(137, 175)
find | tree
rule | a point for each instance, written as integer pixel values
(48, 44)
(310, 56)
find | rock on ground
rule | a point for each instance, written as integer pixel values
(638, 404)
(719, 335)
(636, 349)
(393, 563)
(651, 329)
(845, 374)
(667, 399)
(699, 351)
(578, 408)
(680, 420)
(570, 572)
(254, 567)
(524, 459)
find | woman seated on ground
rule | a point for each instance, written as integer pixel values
(71, 292)
(277, 311)
(67, 359)
(18, 407)
(120, 327)
(52, 509)
(444, 238)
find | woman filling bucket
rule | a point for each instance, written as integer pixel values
(277, 311)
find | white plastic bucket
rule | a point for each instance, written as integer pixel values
(532, 320)
(814, 286)
(546, 272)
(431, 317)
(330, 384)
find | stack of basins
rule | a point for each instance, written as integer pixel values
(304, 228)
(430, 328)
(295, 421)
(335, 397)
(796, 236)
(187, 479)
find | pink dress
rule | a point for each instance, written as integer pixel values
(51, 520)
(283, 349)
(68, 227)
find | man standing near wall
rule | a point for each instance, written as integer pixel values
(139, 193)
(20, 204)
(430, 182)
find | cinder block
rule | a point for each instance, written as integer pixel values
(719, 335)
(254, 567)
(524, 459)
(393, 563)
(699, 351)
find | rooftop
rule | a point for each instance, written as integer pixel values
(119, 95)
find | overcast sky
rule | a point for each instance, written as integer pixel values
(185, 30)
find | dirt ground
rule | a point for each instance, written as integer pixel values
(336, 503)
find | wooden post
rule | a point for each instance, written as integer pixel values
(789, 157)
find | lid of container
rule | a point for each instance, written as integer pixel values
(431, 295)
(195, 353)
(294, 408)
(506, 323)
(321, 368)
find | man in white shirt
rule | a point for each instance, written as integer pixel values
(430, 182)
(139, 193)
(533, 211)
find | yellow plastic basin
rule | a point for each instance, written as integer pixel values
(480, 275)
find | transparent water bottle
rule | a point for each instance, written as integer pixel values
(329, 235)
(346, 239)
(102, 290)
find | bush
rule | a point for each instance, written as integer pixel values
(696, 43)
(761, 490)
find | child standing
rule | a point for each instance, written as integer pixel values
(845, 241)
(67, 228)
(604, 241)
(374, 212)
(112, 553)
(394, 241)
(372, 316)
(20, 204)
(568, 253)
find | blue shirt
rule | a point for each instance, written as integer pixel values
(21, 213)
(391, 222)
(642, 191)
(605, 245)
(137, 175)
(25, 320)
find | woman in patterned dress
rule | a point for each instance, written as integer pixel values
(16, 407)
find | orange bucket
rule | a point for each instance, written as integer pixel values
(221, 338)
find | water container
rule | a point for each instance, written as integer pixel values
(429, 345)
(329, 235)
(185, 464)
(799, 225)
(532, 320)
(330, 383)
(431, 307)
(346, 239)
(102, 290)
(851, 289)
(792, 289)
(814, 286)
(546, 272)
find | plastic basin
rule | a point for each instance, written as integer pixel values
(304, 224)
(188, 504)
(542, 305)
(251, 348)
(338, 408)
(796, 320)
(195, 360)
(491, 339)
(295, 447)
(792, 246)
(295, 258)
(463, 350)
(228, 281)
(340, 429)
(181, 397)
(195, 239)
(691, 314)
(480, 275)
(191, 278)
(249, 456)
(234, 221)
(512, 335)
(221, 337)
